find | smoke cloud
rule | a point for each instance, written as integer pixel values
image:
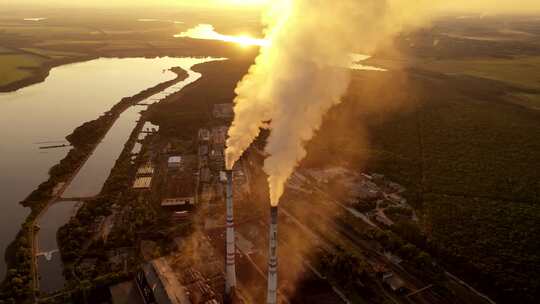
(298, 77)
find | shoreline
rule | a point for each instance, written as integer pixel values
(39, 208)
(42, 73)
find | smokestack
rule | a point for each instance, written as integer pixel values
(230, 280)
(271, 297)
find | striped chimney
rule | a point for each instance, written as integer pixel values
(230, 282)
(271, 297)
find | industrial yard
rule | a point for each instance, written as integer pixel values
(163, 239)
(185, 184)
(179, 155)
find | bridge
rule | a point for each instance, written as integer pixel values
(47, 254)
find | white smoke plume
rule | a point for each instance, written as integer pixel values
(297, 78)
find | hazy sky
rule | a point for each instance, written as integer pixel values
(477, 6)
(141, 2)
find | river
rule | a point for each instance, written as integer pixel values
(44, 113)
(93, 174)
(50, 268)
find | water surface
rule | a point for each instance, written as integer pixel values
(46, 112)
(94, 173)
(50, 267)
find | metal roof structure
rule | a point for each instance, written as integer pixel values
(143, 182)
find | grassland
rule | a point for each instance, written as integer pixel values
(16, 67)
(520, 71)
(79, 35)
(4, 50)
(458, 124)
(470, 162)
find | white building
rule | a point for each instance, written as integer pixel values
(175, 162)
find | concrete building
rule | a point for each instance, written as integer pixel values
(143, 182)
(223, 110)
(179, 203)
(219, 135)
(174, 162)
(126, 293)
(180, 191)
(393, 281)
(204, 135)
(158, 283)
(205, 175)
(203, 150)
(145, 170)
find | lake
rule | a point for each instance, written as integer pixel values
(44, 113)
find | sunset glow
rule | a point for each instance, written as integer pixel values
(207, 32)
(246, 2)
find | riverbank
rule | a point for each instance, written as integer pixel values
(20, 280)
(41, 73)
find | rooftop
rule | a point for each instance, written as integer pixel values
(165, 285)
(175, 159)
(143, 182)
(179, 201)
(147, 169)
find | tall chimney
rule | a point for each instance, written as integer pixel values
(230, 282)
(271, 297)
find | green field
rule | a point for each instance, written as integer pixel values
(50, 53)
(521, 71)
(16, 67)
(4, 50)
(469, 160)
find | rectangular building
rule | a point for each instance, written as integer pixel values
(174, 162)
(143, 182)
(158, 283)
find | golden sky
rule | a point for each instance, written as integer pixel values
(145, 2)
(473, 6)
(495, 6)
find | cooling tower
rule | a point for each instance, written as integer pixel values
(271, 297)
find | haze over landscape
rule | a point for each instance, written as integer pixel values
(287, 151)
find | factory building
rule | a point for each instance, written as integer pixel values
(223, 111)
(143, 178)
(146, 170)
(142, 183)
(393, 282)
(174, 163)
(204, 135)
(157, 283)
(180, 192)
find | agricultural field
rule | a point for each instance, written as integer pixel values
(519, 71)
(4, 50)
(62, 38)
(16, 67)
(522, 72)
(462, 135)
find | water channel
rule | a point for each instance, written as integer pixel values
(43, 114)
